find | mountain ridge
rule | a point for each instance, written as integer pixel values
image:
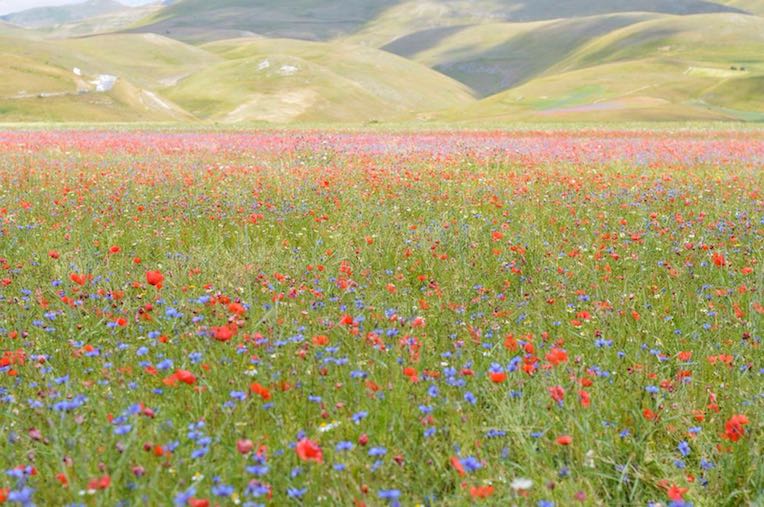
(41, 17)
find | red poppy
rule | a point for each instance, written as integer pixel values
(457, 465)
(237, 308)
(411, 373)
(307, 450)
(222, 333)
(557, 356)
(320, 340)
(78, 278)
(675, 493)
(261, 391)
(155, 278)
(734, 428)
(481, 491)
(564, 440)
(244, 446)
(557, 393)
(184, 376)
(102, 482)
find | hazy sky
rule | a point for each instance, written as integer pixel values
(7, 6)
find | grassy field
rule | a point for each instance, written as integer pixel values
(323, 317)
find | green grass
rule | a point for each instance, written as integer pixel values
(401, 232)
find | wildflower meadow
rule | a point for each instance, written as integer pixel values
(376, 318)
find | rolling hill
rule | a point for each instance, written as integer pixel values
(115, 21)
(379, 22)
(386, 60)
(286, 80)
(694, 67)
(410, 17)
(41, 17)
(207, 20)
(493, 57)
(55, 80)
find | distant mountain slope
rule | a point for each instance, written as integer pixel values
(287, 80)
(493, 57)
(705, 66)
(104, 23)
(412, 16)
(379, 22)
(752, 6)
(207, 20)
(40, 17)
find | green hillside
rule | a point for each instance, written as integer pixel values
(493, 57)
(148, 59)
(705, 66)
(752, 6)
(379, 22)
(287, 80)
(409, 17)
(39, 81)
(207, 20)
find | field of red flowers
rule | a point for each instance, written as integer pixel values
(377, 318)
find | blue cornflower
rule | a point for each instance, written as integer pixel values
(182, 498)
(471, 464)
(222, 490)
(343, 446)
(296, 492)
(389, 494)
